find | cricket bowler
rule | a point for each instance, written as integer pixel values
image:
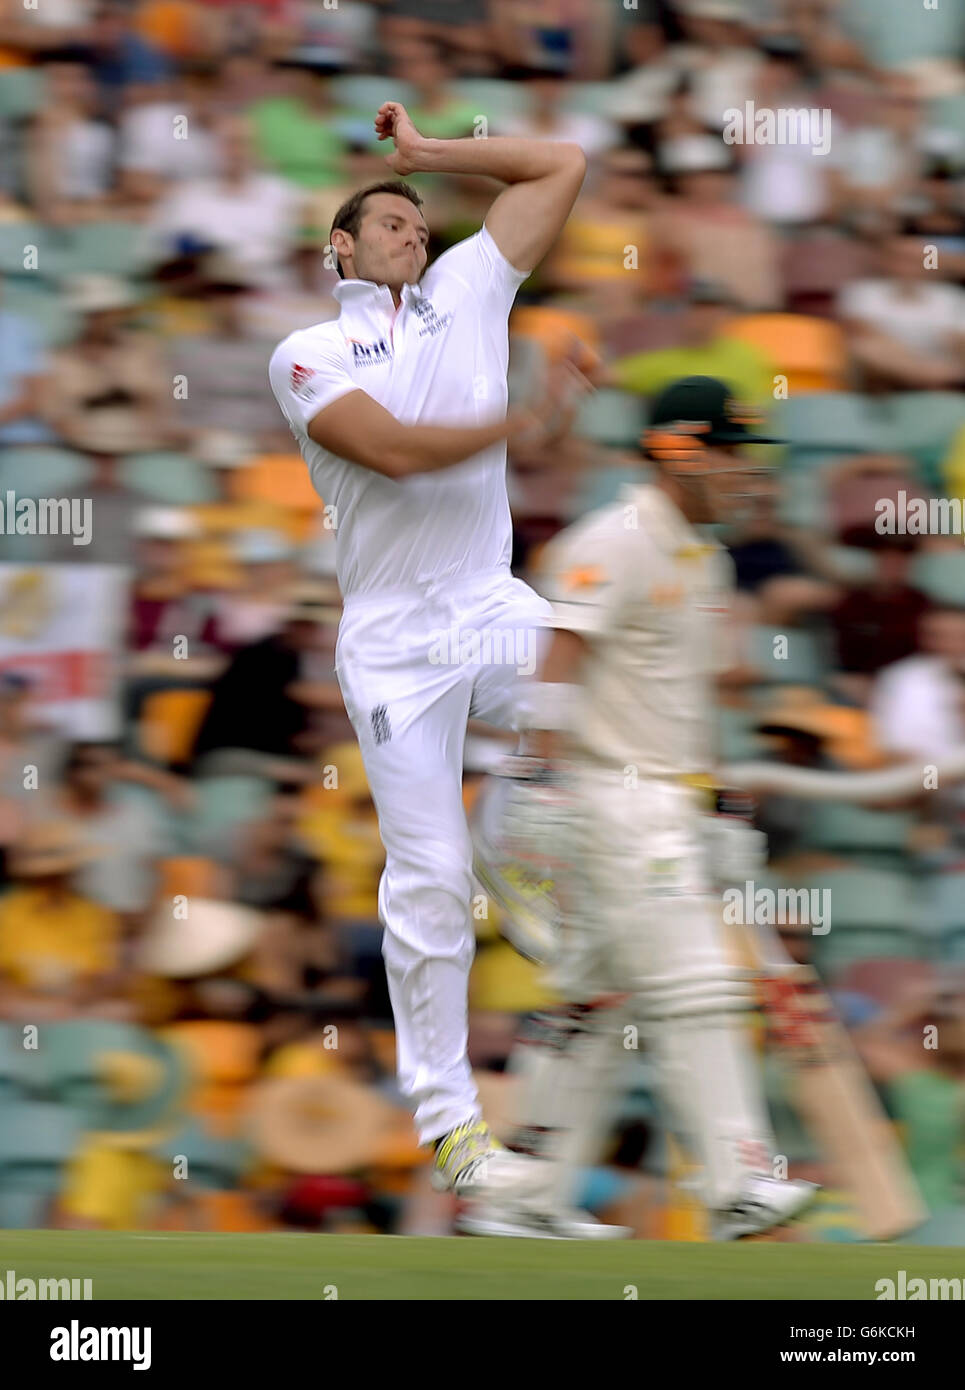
(616, 802)
(399, 408)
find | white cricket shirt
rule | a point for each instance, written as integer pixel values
(650, 597)
(440, 359)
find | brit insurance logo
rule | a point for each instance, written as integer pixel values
(369, 354)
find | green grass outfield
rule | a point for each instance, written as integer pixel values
(200, 1265)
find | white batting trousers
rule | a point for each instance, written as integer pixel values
(414, 666)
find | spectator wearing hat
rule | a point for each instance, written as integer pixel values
(706, 224)
(59, 951)
(113, 389)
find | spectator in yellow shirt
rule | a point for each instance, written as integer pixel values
(59, 952)
(705, 350)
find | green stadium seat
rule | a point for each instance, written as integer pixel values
(14, 238)
(946, 900)
(611, 417)
(873, 913)
(848, 828)
(23, 1211)
(176, 479)
(360, 92)
(43, 304)
(36, 1139)
(21, 92)
(909, 32)
(737, 736)
(40, 470)
(224, 802)
(214, 1163)
(491, 96)
(106, 248)
(834, 421)
(22, 1070)
(802, 664)
(855, 564)
(803, 499)
(941, 574)
(589, 98)
(78, 1056)
(924, 425)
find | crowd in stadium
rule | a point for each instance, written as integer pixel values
(190, 856)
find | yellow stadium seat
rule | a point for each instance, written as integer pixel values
(170, 720)
(810, 352)
(191, 875)
(279, 479)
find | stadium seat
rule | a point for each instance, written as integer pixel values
(834, 422)
(803, 499)
(119, 1077)
(873, 913)
(192, 875)
(43, 304)
(15, 240)
(36, 1139)
(21, 92)
(925, 423)
(946, 907)
(614, 418)
(737, 736)
(941, 575)
(589, 98)
(802, 664)
(281, 480)
(169, 723)
(104, 248)
(858, 830)
(214, 1163)
(227, 801)
(810, 352)
(176, 479)
(42, 470)
(361, 92)
(492, 96)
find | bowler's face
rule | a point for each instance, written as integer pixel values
(390, 248)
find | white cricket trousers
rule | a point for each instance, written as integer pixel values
(414, 666)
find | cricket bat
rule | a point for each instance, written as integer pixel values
(833, 1092)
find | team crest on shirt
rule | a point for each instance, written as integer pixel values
(432, 322)
(369, 354)
(300, 379)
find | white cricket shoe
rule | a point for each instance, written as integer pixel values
(764, 1203)
(529, 1220)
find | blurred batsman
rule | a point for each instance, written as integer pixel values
(399, 408)
(617, 807)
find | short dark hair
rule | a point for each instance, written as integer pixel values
(349, 216)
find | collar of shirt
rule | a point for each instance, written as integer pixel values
(665, 523)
